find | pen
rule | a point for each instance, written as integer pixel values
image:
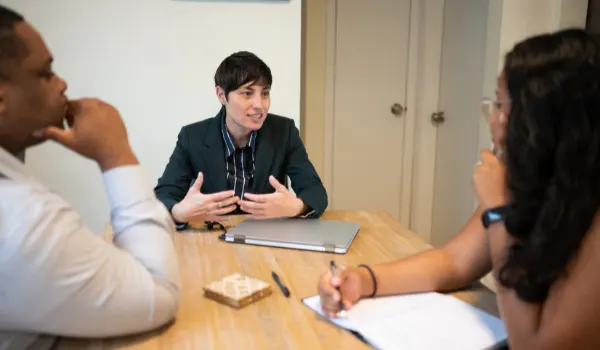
(284, 290)
(333, 270)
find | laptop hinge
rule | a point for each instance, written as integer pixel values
(239, 239)
(329, 248)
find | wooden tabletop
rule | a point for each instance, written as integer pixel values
(275, 322)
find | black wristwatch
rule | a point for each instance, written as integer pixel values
(493, 215)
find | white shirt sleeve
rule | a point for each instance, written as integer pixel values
(59, 278)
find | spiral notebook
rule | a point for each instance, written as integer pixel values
(420, 321)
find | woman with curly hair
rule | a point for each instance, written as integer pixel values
(537, 226)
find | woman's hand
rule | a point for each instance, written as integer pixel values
(489, 181)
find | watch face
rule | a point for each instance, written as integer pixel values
(494, 216)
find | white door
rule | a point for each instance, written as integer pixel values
(370, 85)
(457, 144)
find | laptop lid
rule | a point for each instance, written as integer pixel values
(317, 235)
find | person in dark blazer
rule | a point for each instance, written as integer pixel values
(238, 161)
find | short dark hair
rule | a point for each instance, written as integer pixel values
(241, 68)
(12, 48)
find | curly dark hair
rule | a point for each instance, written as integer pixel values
(552, 156)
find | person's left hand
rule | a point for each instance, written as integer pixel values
(281, 203)
(489, 180)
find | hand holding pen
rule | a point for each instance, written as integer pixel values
(340, 289)
(336, 278)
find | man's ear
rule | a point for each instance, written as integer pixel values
(221, 95)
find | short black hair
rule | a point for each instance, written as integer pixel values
(12, 48)
(241, 68)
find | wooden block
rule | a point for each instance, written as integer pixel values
(237, 290)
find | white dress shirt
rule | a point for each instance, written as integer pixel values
(57, 278)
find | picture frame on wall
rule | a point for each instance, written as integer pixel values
(233, 0)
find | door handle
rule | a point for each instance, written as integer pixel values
(398, 110)
(438, 118)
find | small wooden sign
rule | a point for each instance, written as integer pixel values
(237, 290)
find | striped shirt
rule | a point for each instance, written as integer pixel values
(239, 162)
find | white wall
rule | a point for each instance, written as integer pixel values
(155, 61)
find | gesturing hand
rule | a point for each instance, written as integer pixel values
(197, 206)
(281, 203)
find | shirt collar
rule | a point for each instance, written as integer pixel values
(12, 168)
(229, 145)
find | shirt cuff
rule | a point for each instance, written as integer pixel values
(180, 226)
(306, 215)
(127, 185)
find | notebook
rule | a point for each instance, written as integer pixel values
(329, 236)
(419, 321)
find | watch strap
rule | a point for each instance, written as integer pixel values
(495, 214)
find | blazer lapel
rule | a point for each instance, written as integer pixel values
(265, 150)
(214, 156)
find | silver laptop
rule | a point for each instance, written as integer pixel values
(317, 235)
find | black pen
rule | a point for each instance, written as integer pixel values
(333, 270)
(284, 290)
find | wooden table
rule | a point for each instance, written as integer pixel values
(275, 322)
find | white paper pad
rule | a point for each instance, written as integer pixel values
(420, 321)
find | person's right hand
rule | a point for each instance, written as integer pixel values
(197, 206)
(352, 286)
(96, 131)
